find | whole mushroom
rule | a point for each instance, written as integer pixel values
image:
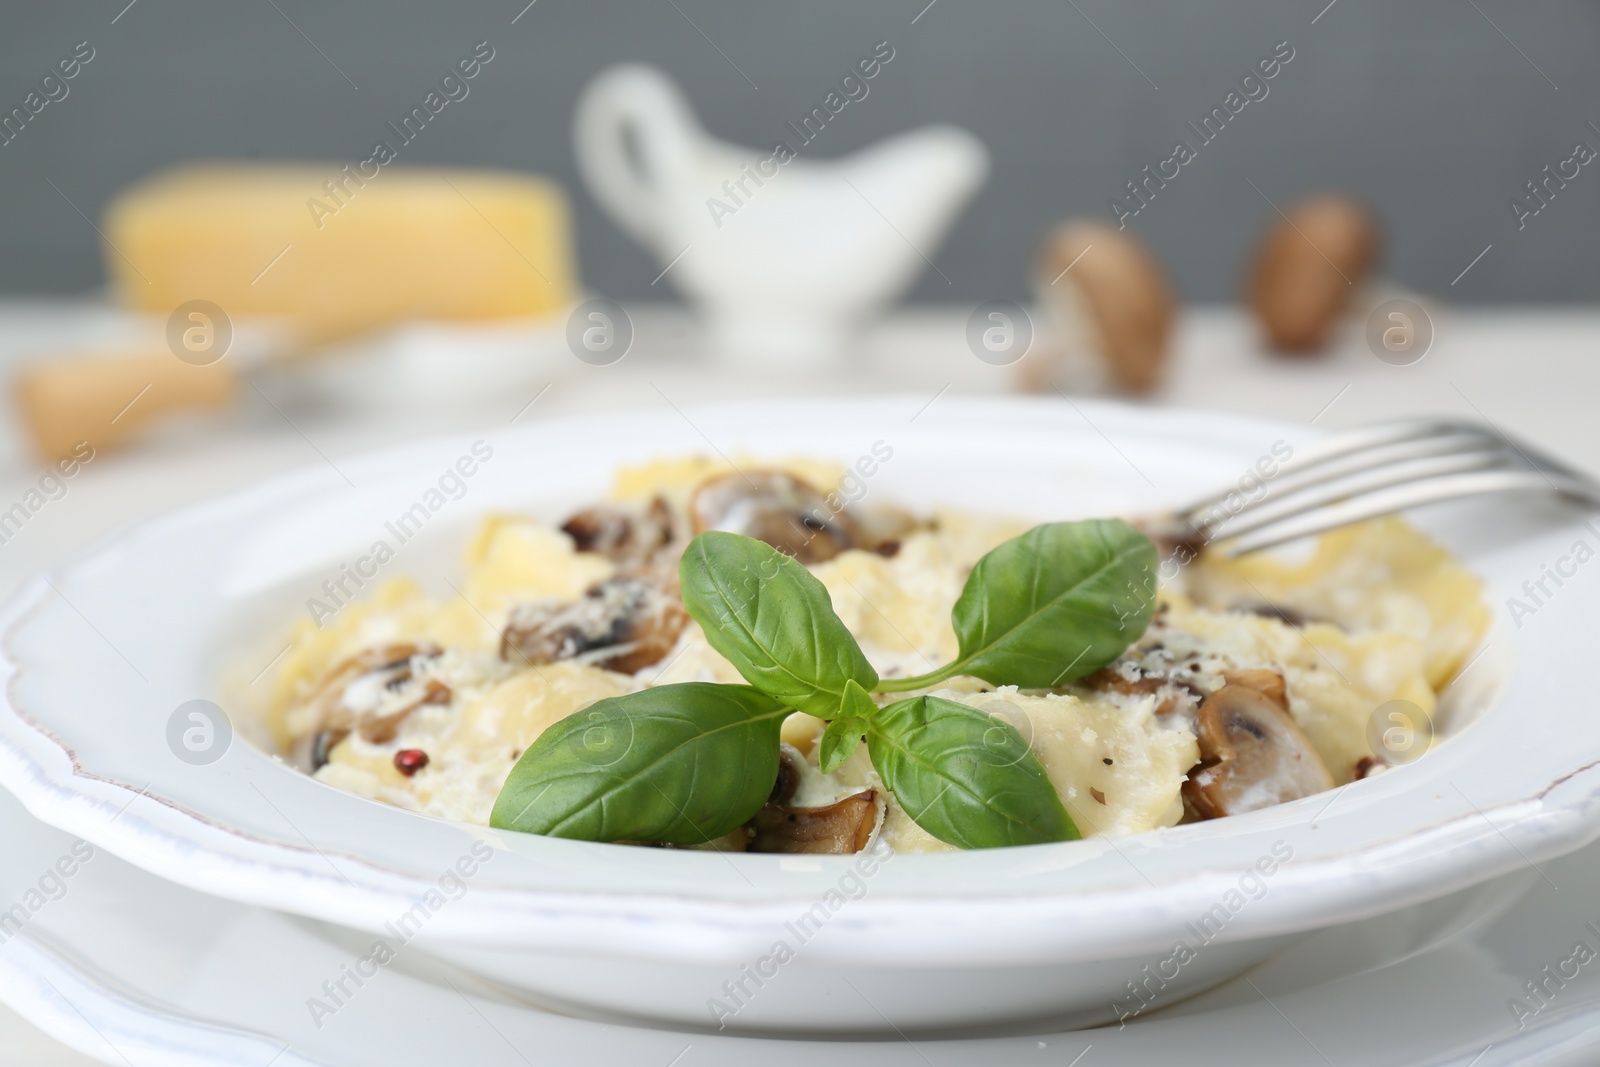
(1308, 268)
(1111, 304)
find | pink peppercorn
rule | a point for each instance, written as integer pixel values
(409, 761)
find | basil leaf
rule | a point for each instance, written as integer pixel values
(839, 742)
(1050, 606)
(773, 620)
(857, 702)
(683, 764)
(964, 776)
(843, 734)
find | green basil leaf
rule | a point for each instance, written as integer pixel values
(857, 702)
(773, 620)
(839, 742)
(1050, 606)
(966, 777)
(843, 734)
(683, 764)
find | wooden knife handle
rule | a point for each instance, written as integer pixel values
(106, 398)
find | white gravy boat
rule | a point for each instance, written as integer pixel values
(788, 255)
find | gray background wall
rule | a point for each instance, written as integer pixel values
(1424, 107)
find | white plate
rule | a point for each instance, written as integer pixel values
(99, 656)
(128, 968)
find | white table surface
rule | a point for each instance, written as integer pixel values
(1531, 372)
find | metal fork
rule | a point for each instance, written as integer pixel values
(1372, 471)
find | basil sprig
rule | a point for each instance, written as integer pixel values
(689, 763)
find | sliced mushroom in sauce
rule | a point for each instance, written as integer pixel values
(623, 624)
(839, 828)
(1366, 767)
(380, 729)
(882, 528)
(623, 535)
(786, 512)
(321, 748)
(1288, 616)
(1262, 680)
(1252, 755)
(1137, 679)
(372, 693)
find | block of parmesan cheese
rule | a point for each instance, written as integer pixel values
(337, 253)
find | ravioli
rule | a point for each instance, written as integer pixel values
(1374, 613)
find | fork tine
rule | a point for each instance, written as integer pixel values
(1401, 497)
(1420, 430)
(1360, 483)
(1342, 462)
(1350, 442)
(1381, 457)
(1363, 437)
(1377, 470)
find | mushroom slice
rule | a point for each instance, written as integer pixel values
(371, 692)
(786, 512)
(623, 535)
(1113, 680)
(1366, 767)
(622, 624)
(882, 528)
(1261, 680)
(319, 748)
(1252, 755)
(1132, 679)
(788, 782)
(838, 829)
(1288, 616)
(381, 728)
(391, 664)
